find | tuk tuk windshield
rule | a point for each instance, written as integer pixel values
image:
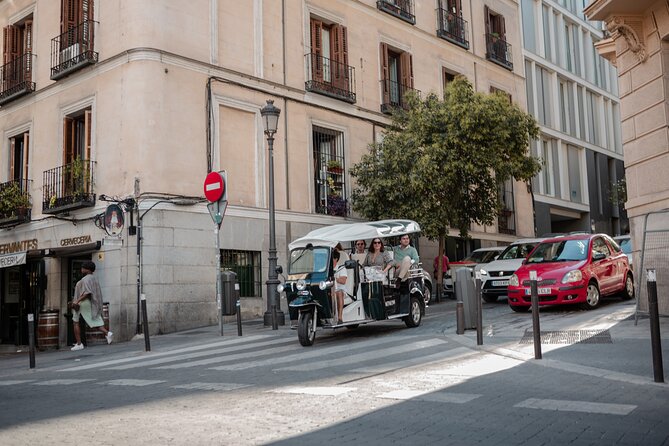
(308, 260)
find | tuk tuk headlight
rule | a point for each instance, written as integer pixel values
(323, 285)
(301, 285)
(280, 288)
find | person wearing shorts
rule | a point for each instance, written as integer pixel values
(88, 297)
(340, 277)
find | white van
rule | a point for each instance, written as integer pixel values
(495, 275)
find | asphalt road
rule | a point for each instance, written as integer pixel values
(382, 383)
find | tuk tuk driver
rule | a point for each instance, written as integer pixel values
(340, 277)
(402, 256)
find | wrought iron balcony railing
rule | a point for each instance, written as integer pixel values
(330, 78)
(15, 204)
(498, 51)
(393, 95)
(506, 222)
(73, 50)
(402, 9)
(452, 28)
(68, 187)
(16, 78)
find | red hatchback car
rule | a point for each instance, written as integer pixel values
(575, 269)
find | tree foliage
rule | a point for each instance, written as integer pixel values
(441, 161)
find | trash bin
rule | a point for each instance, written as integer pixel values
(465, 292)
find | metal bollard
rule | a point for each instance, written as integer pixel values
(479, 310)
(536, 329)
(145, 324)
(655, 340)
(31, 339)
(460, 316)
(239, 318)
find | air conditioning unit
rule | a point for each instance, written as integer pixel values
(69, 53)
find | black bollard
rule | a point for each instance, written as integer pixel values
(239, 318)
(31, 339)
(460, 317)
(536, 329)
(655, 340)
(145, 324)
(479, 311)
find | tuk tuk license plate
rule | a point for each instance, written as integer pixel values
(539, 291)
(500, 283)
(303, 293)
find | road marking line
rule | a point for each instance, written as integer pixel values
(320, 391)
(14, 382)
(303, 355)
(428, 395)
(577, 406)
(212, 386)
(366, 356)
(61, 382)
(449, 354)
(253, 354)
(165, 353)
(132, 382)
(148, 362)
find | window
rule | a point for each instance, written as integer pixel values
(497, 49)
(19, 156)
(574, 166)
(544, 96)
(506, 223)
(329, 174)
(547, 173)
(548, 42)
(17, 60)
(329, 72)
(495, 90)
(397, 71)
(246, 264)
(74, 47)
(77, 136)
(529, 27)
(451, 25)
(72, 14)
(600, 247)
(402, 9)
(447, 76)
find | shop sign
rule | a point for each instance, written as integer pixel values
(8, 260)
(23, 245)
(75, 241)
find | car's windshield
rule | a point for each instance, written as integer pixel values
(625, 245)
(308, 260)
(560, 251)
(518, 251)
(475, 257)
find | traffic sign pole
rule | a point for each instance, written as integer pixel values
(215, 190)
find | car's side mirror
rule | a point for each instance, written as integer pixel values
(597, 256)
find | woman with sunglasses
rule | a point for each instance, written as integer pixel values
(378, 257)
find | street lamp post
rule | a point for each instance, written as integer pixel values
(270, 119)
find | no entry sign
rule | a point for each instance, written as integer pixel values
(214, 186)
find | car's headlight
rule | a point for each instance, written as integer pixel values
(573, 276)
(513, 280)
(483, 272)
(280, 288)
(301, 285)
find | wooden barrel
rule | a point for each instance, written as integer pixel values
(94, 335)
(47, 330)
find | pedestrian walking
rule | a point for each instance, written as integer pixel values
(87, 302)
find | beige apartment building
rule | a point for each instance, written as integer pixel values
(637, 45)
(113, 112)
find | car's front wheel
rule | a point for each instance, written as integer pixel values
(628, 292)
(592, 297)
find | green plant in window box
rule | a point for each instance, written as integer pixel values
(334, 166)
(76, 173)
(13, 201)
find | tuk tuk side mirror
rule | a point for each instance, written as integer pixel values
(350, 264)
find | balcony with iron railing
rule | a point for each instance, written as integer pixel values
(393, 95)
(499, 51)
(73, 50)
(16, 78)
(452, 28)
(506, 222)
(402, 9)
(68, 187)
(330, 78)
(15, 203)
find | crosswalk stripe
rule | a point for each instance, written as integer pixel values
(165, 353)
(14, 382)
(211, 386)
(448, 354)
(226, 358)
(150, 362)
(61, 382)
(132, 382)
(577, 406)
(366, 356)
(315, 390)
(428, 395)
(303, 355)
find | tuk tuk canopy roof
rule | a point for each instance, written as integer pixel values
(331, 235)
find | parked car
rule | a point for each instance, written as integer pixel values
(576, 269)
(477, 259)
(625, 242)
(495, 275)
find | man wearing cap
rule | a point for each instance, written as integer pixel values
(87, 302)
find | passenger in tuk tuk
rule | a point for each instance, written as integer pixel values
(340, 277)
(378, 257)
(360, 251)
(403, 254)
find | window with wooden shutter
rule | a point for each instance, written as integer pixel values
(406, 71)
(19, 156)
(385, 72)
(316, 50)
(340, 56)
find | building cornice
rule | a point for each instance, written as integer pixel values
(631, 29)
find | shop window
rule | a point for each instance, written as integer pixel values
(246, 264)
(329, 173)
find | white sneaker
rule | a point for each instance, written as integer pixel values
(109, 337)
(77, 347)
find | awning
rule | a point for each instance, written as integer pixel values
(15, 259)
(66, 251)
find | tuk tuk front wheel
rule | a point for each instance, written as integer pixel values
(415, 314)
(305, 329)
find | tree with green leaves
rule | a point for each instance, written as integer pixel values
(442, 161)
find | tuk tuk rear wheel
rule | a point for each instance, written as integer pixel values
(305, 329)
(415, 314)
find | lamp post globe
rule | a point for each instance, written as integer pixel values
(273, 315)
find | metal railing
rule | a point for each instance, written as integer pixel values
(73, 49)
(329, 77)
(15, 202)
(393, 95)
(16, 78)
(68, 187)
(452, 28)
(499, 51)
(402, 9)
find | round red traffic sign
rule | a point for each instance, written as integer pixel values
(214, 186)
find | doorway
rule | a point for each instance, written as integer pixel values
(22, 294)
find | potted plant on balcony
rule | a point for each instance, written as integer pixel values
(334, 166)
(337, 206)
(76, 178)
(13, 201)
